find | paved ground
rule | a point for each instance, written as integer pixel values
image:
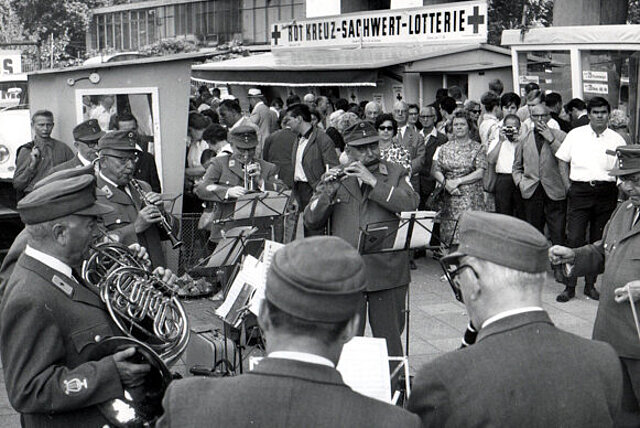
(437, 321)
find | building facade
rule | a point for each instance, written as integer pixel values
(131, 26)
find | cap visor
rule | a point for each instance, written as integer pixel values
(616, 172)
(97, 209)
(364, 141)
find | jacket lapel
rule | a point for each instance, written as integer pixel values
(113, 194)
(627, 220)
(236, 167)
(312, 140)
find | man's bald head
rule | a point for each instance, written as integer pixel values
(400, 110)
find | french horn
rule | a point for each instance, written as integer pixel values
(147, 311)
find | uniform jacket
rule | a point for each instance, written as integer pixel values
(121, 220)
(278, 393)
(49, 325)
(227, 172)
(618, 255)
(350, 211)
(277, 150)
(531, 168)
(319, 152)
(52, 153)
(522, 372)
(73, 163)
(261, 116)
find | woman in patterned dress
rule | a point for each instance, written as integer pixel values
(459, 167)
(390, 149)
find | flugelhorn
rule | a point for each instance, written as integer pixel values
(164, 222)
(249, 169)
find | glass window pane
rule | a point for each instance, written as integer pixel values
(118, 30)
(549, 69)
(101, 31)
(142, 25)
(151, 27)
(109, 42)
(134, 31)
(125, 31)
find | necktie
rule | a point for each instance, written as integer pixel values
(636, 215)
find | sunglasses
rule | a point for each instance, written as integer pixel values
(385, 128)
(427, 116)
(475, 111)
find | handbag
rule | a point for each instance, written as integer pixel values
(434, 201)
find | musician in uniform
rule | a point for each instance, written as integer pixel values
(85, 135)
(132, 220)
(313, 293)
(617, 254)
(50, 322)
(231, 177)
(372, 190)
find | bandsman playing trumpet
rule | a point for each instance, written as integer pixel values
(51, 322)
(231, 177)
(136, 217)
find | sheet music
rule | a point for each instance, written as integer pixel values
(270, 248)
(421, 235)
(364, 366)
(242, 289)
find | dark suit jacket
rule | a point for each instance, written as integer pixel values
(278, 393)
(351, 211)
(618, 255)
(146, 171)
(413, 142)
(531, 168)
(582, 121)
(49, 325)
(277, 150)
(318, 153)
(431, 144)
(121, 220)
(522, 372)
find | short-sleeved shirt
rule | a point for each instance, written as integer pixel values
(586, 152)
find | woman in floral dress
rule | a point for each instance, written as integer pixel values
(390, 149)
(459, 167)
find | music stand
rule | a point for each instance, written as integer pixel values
(412, 229)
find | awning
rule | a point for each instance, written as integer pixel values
(314, 67)
(582, 34)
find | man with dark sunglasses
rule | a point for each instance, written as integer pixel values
(516, 373)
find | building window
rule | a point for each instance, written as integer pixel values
(549, 69)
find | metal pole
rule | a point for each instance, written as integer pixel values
(51, 54)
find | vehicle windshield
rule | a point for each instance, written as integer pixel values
(13, 94)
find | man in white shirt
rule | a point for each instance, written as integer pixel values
(310, 310)
(593, 193)
(522, 370)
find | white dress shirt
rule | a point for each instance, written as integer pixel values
(50, 261)
(586, 152)
(302, 356)
(509, 313)
(298, 173)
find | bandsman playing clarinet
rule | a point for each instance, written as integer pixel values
(137, 215)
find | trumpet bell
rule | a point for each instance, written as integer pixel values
(140, 406)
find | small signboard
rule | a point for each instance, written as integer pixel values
(10, 62)
(463, 22)
(595, 88)
(529, 79)
(598, 76)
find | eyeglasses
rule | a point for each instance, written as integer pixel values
(452, 273)
(539, 116)
(476, 111)
(124, 159)
(427, 116)
(385, 128)
(413, 114)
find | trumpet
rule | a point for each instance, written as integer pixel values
(164, 222)
(249, 169)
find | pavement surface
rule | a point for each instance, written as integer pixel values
(437, 321)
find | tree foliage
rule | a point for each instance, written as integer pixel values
(507, 15)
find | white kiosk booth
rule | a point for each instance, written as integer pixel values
(580, 62)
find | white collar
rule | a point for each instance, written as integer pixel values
(509, 313)
(225, 150)
(302, 356)
(84, 161)
(238, 122)
(104, 177)
(433, 133)
(49, 260)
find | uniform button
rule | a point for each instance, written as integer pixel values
(97, 338)
(118, 221)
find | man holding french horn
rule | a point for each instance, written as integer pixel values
(51, 322)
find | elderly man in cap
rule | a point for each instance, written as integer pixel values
(616, 254)
(50, 321)
(314, 288)
(518, 372)
(370, 191)
(133, 219)
(86, 136)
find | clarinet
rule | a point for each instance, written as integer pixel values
(164, 222)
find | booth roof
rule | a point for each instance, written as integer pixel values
(582, 34)
(335, 67)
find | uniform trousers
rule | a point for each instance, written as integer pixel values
(630, 408)
(589, 203)
(303, 191)
(386, 310)
(541, 209)
(427, 186)
(508, 197)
